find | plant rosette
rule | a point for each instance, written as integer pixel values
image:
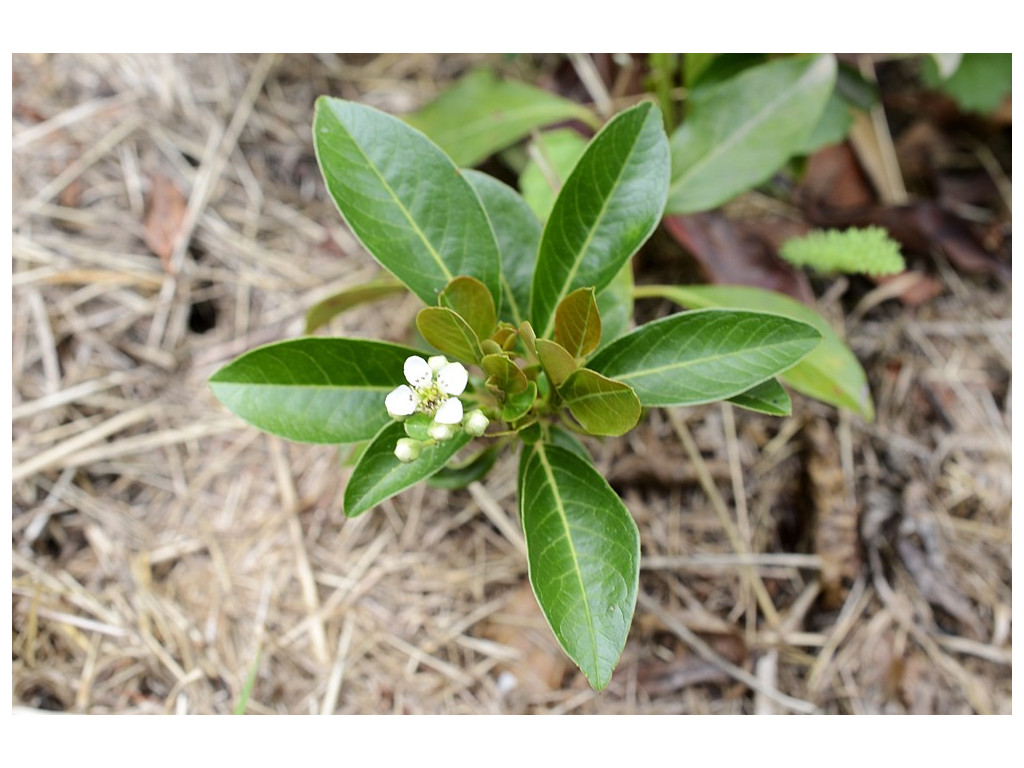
(529, 323)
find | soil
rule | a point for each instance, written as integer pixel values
(167, 558)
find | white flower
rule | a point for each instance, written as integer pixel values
(401, 402)
(407, 449)
(449, 412)
(434, 388)
(476, 423)
(418, 372)
(452, 379)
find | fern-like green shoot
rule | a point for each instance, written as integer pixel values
(867, 251)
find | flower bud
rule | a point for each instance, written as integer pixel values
(440, 432)
(407, 449)
(476, 423)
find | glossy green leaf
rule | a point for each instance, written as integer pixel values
(578, 323)
(404, 199)
(518, 405)
(453, 478)
(313, 390)
(518, 233)
(557, 363)
(739, 132)
(608, 207)
(322, 313)
(767, 397)
(830, 372)
(482, 114)
(601, 405)
(380, 475)
(553, 155)
(583, 550)
(504, 374)
(706, 355)
(615, 304)
(470, 299)
(444, 330)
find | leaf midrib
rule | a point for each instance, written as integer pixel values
(735, 137)
(700, 360)
(539, 448)
(578, 259)
(398, 202)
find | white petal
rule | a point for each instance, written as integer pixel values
(437, 362)
(450, 411)
(453, 379)
(417, 372)
(401, 401)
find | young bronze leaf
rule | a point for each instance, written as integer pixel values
(505, 374)
(470, 299)
(601, 405)
(584, 556)
(557, 363)
(449, 333)
(578, 323)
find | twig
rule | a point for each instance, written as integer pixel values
(708, 654)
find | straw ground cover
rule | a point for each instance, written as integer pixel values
(169, 215)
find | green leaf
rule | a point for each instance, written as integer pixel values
(767, 397)
(380, 475)
(404, 199)
(830, 372)
(518, 233)
(578, 323)
(553, 155)
(453, 478)
(470, 299)
(313, 390)
(517, 406)
(557, 363)
(584, 556)
(482, 114)
(739, 132)
(504, 374)
(447, 332)
(601, 405)
(615, 304)
(609, 206)
(706, 355)
(832, 127)
(322, 313)
(978, 84)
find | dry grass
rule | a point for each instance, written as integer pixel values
(161, 548)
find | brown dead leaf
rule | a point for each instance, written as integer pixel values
(732, 253)
(165, 212)
(834, 180)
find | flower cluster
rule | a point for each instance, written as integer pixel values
(433, 390)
